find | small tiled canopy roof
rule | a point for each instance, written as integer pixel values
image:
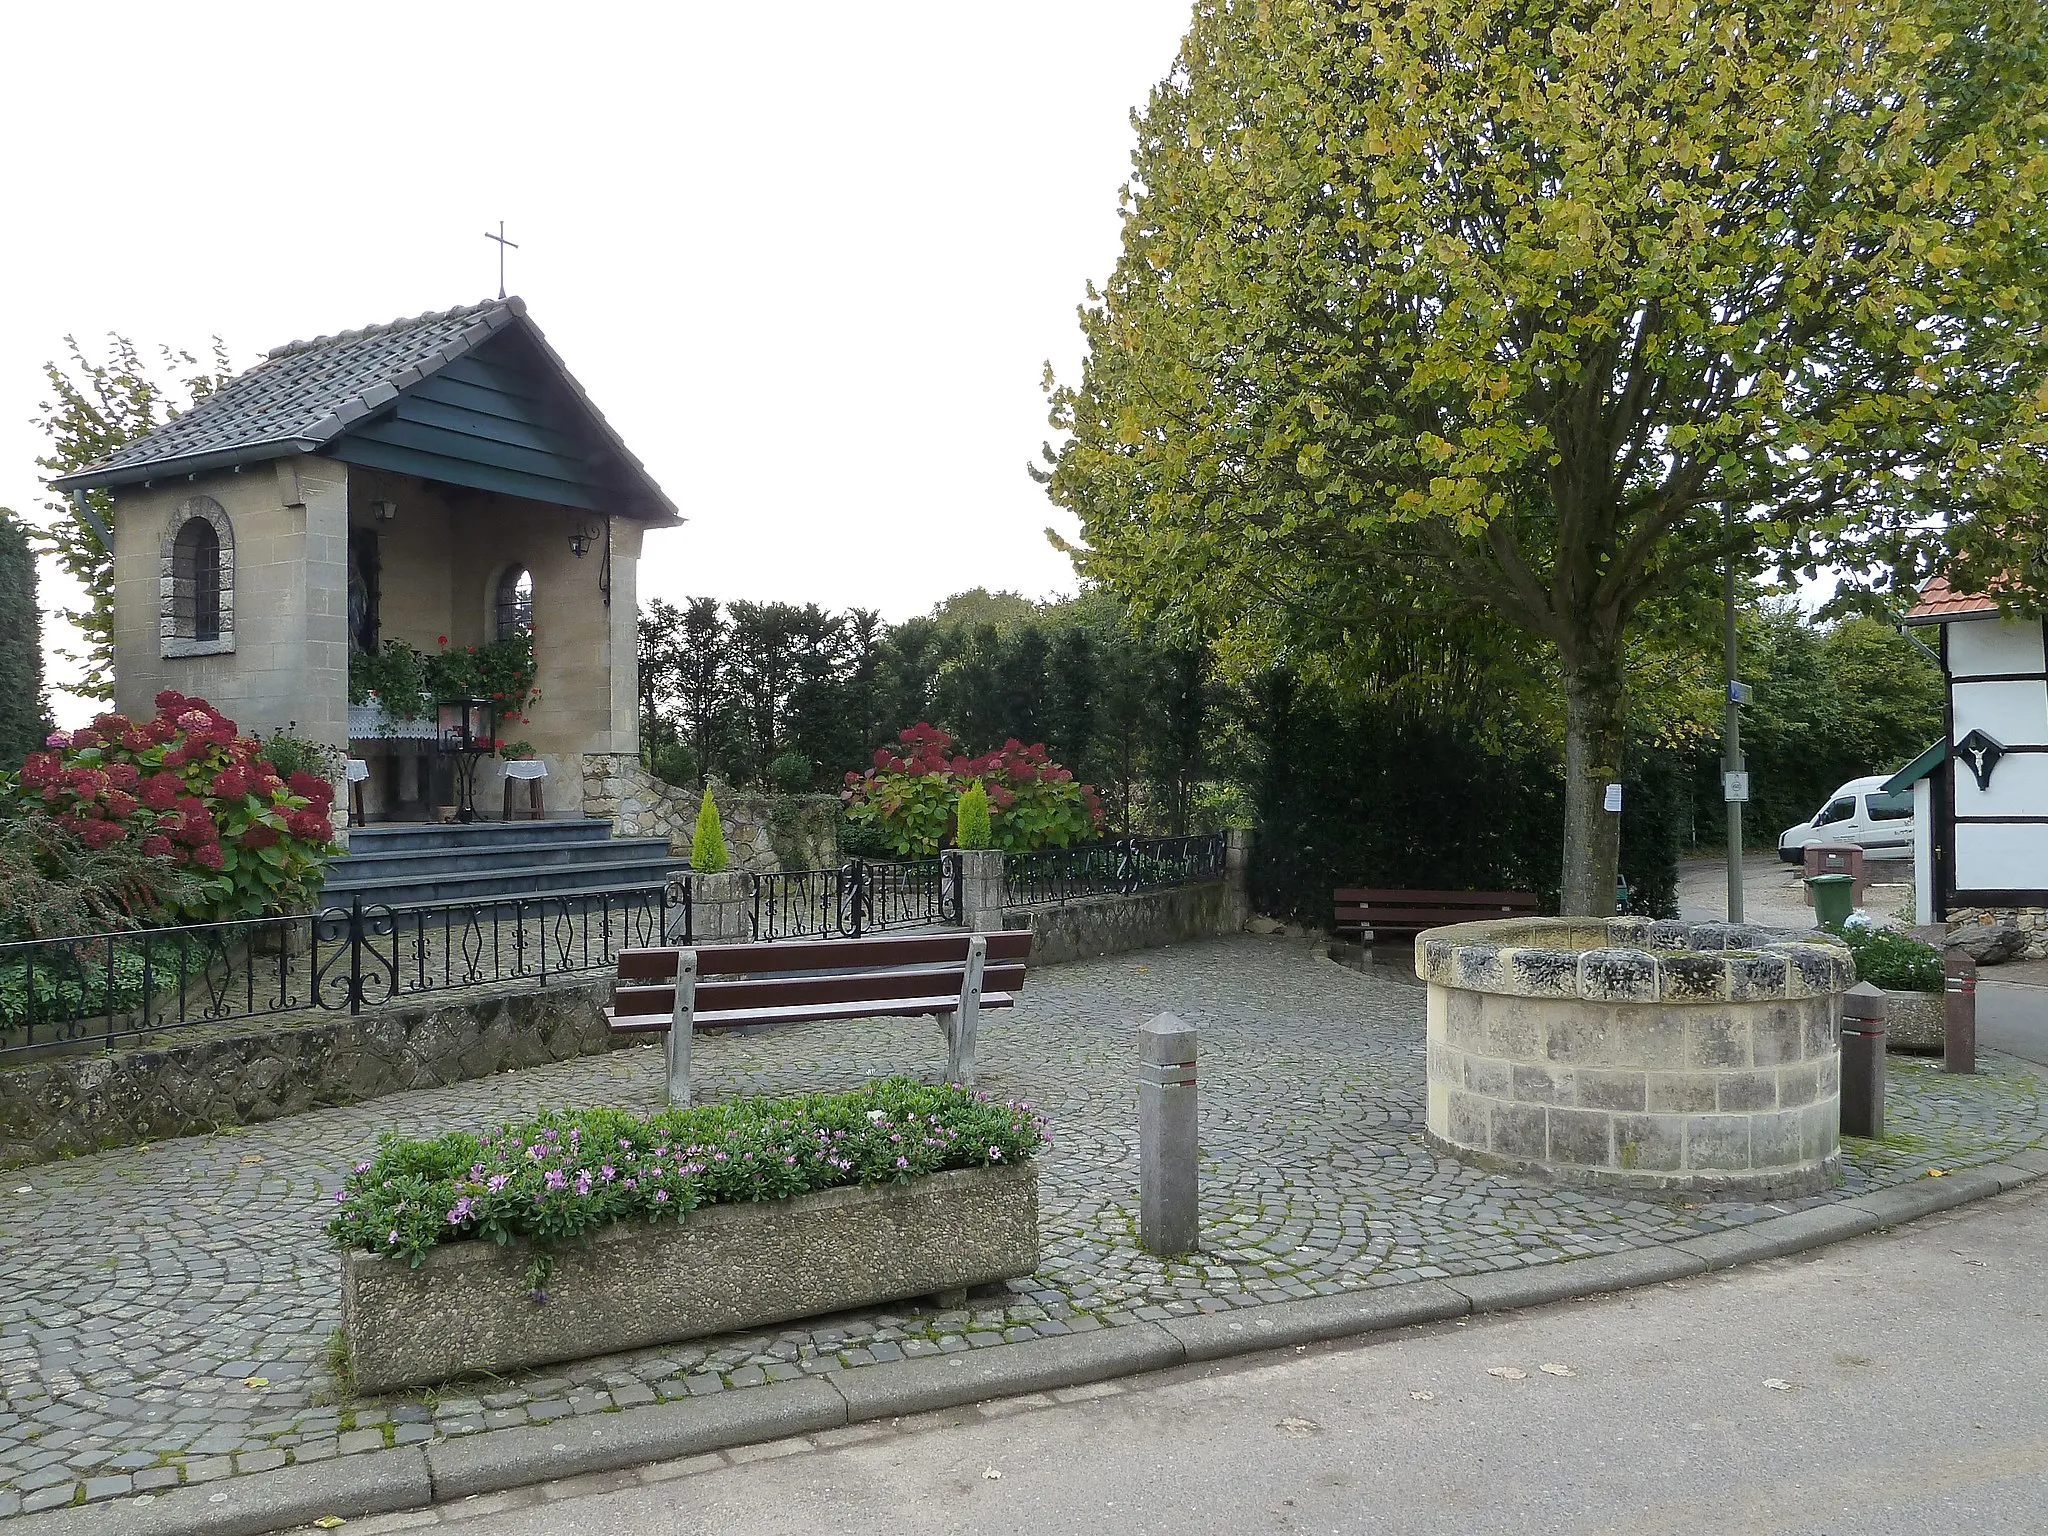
(1939, 603)
(307, 396)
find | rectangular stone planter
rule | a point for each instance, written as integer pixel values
(722, 1268)
(1915, 1021)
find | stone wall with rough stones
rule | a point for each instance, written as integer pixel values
(1110, 925)
(71, 1105)
(2032, 921)
(1658, 1054)
(764, 833)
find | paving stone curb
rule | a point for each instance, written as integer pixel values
(444, 1470)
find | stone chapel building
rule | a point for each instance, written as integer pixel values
(442, 476)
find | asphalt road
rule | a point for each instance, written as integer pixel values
(2013, 1016)
(1889, 1385)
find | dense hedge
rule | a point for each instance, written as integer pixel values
(560, 1176)
(24, 716)
(1382, 795)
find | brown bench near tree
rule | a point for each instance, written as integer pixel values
(949, 976)
(1365, 918)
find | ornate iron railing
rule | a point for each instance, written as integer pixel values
(860, 896)
(103, 989)
(1051, 876)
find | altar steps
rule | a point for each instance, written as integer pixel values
(408, 863)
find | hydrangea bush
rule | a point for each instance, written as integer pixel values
(556, 1178)
(186, 789)
(911, 798)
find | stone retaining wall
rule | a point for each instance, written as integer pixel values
(764, 833)
(1111, 925)
(71, 1105)
(2032, 921)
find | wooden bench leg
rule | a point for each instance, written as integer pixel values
(967, 1017)
(682, 1027)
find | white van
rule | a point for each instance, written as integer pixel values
(1860, 812)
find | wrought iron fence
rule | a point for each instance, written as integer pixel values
(103, 989)
(860, 896)
(1058, 875)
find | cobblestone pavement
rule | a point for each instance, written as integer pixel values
(167, 1312)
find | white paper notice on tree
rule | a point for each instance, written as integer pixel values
(1613, 797)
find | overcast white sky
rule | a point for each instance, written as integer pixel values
(809, 258)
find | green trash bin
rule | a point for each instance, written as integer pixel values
(1834, 898)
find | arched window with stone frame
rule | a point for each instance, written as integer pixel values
(196, 610)
(512, 603)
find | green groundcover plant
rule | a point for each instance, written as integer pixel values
(558, 1177)
(1895, 961)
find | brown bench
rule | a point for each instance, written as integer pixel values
(1367, 916)
(948, 976)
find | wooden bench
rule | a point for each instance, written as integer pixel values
(948, 976)
(1371, 915)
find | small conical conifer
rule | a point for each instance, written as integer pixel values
(707, 847)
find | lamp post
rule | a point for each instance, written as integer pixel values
(465, 730)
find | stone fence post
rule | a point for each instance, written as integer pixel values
(1169, 1142)
(1864, 1015)
(980, 873)
(1237, 856)
(721, 909)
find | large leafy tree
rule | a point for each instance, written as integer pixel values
(94, 406)
(24, 710)
(1523, 316)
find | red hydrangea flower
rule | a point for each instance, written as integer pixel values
(208, 856)
(156, 845)
(231, 783)
(85, 738)
(40, 768)
(123, 775)
(170, 701)
(310, 825)
(86, 783)
(260, 835)
(120, 804)
(160, 791)
(111, 724)
(57, 740)
(102, 834)
(313, 787)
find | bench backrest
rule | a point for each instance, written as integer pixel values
(1413, 911)
(803, 974)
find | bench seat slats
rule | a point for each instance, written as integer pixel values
(815, 1013)
(1440, 898)
(773, 991)
(823, 955)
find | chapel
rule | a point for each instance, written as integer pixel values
(441, 480)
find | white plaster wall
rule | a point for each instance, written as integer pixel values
(2019, 787)
(1978, 646)
(2012, 714)
(2001, 857)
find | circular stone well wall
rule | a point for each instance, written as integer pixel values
(1653, 1054)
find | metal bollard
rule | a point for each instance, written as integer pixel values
(1864, 1012)
(1169, 1193)
(1959, 1041)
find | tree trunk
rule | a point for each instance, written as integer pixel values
(1592, 761)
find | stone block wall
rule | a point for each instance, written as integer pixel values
(765, 833)
(70, 1105)
(1661, 1055)
(2032, 921)
(1111, 925)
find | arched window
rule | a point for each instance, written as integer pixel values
(514, 602)
(196, 612)
(195, 573)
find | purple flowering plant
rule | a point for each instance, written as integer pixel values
(556, 1178)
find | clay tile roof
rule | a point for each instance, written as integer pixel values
(303, 394)
(1939, 603)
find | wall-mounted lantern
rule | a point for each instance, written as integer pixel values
(384, 511)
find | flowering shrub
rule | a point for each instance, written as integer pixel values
(911, 798)
(558, 1177)
(1896, 961)
(409, 682)
(187, 790)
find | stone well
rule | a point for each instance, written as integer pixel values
(1653, 1054)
